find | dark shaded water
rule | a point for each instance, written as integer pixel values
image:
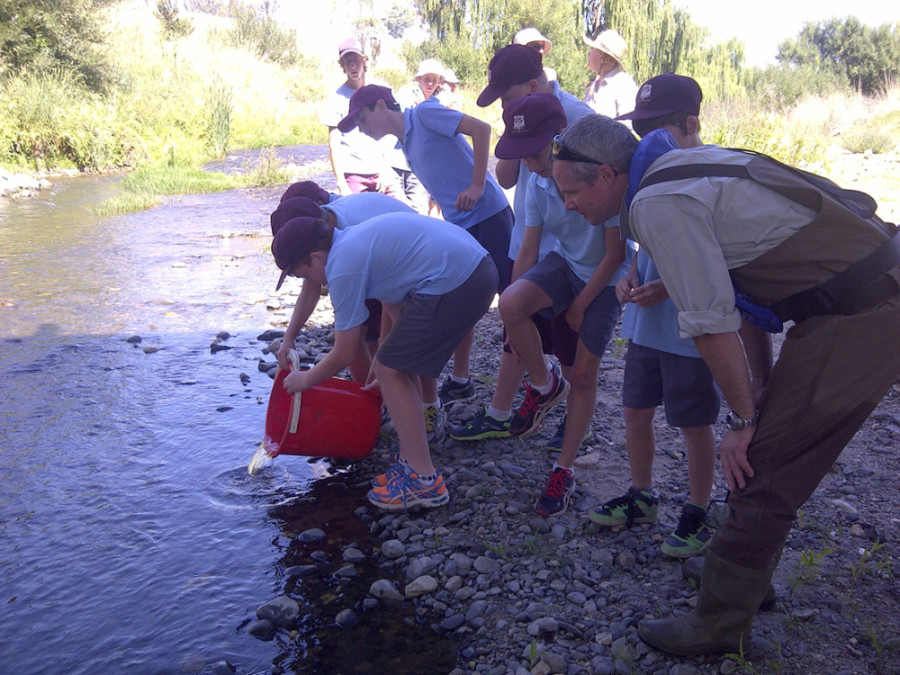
(131, 537)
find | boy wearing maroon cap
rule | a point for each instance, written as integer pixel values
(454, 173)
(577, 279)
(435, 282)
(514, 71)
(661, 367)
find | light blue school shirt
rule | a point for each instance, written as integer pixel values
(573, 108)
(655, 326)
(582, 245)
(443, 160)
(357, 208)
(393, 256)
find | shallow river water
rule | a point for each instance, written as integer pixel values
(132, 538)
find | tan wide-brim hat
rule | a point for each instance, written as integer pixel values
(609, 42)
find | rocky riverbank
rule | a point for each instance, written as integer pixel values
(20, 185)
(488, 586)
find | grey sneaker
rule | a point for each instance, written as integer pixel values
(636, 506)
(435, 421)
(454, 392)
(555, 444)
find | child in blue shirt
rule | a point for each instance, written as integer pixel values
(576, 279)
(435, 282)
(454, 173)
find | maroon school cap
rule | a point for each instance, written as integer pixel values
(664, 94)
(512, 64)
(295, 239)
(364, 97)
(295, 207)
(531, 123)
(308, 189)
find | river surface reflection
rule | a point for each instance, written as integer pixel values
(131, 537)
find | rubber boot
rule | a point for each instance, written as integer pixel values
(721, 622)
(692, 570)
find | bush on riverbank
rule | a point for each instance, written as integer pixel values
(174, 104)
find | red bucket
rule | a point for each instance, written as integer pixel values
(335, 418)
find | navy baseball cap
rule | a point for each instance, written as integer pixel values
(664, 94)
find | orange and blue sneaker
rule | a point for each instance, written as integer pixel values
(406, 491)
(397, 468)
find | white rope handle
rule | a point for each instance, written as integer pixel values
(295, 405)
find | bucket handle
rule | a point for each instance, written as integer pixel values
(295, 403)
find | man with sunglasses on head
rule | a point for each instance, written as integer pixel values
(721, 219)
(577, 279)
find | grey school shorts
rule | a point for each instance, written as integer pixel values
(430, 327)
(683, 383)
(554, 276)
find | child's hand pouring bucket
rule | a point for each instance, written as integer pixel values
(335, 419)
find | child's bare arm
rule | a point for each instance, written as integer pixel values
(303, 309)
(480, 133)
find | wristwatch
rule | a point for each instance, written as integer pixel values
(735, 423)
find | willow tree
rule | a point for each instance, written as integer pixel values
(466, 33)
(662, 38)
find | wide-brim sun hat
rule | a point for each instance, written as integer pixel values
(528, 35)
(609, 42)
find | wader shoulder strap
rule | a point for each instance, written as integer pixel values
(856, 201)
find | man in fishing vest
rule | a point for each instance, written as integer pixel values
(798, 251)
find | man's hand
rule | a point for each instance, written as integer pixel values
(733, 457)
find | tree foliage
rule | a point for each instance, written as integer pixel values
(662, 38)
(44, 35)
(257, 31)
(868, 58)
(464, 34)
(173, 26)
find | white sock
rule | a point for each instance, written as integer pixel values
(497, 414)
(460, 380)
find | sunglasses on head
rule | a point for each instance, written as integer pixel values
(561, 151)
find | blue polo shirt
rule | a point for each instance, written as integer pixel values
(443, 160)
(393, 256)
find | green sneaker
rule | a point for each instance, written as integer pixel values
(636, 506)
(691, 537)
(483, 426)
